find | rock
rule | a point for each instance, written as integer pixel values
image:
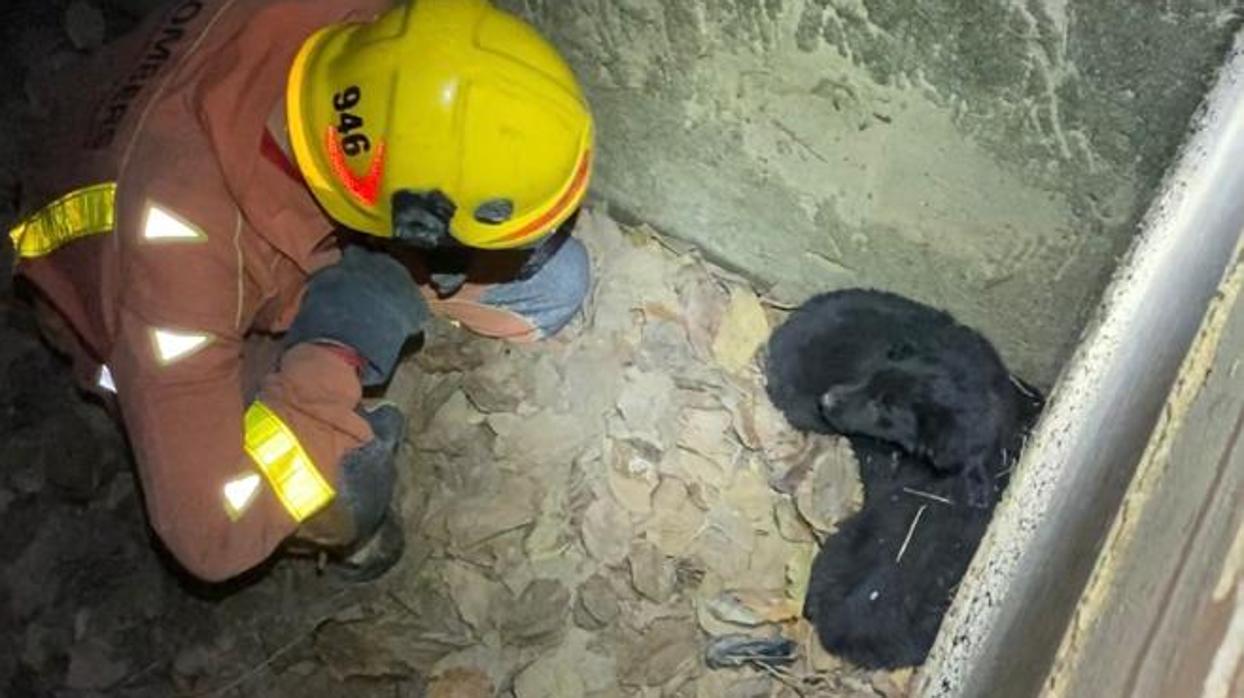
(652, 574)
(91, 667)
(666, 648)
(540, 611)
(606, 532)
(461, 683)
(597, 607)
(743, 329)
(84, 23)
(676, 521)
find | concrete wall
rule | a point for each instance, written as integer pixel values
(987, 156)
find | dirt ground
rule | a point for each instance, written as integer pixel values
(583, 517)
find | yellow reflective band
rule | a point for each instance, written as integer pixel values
(85, 212)
(284, 463)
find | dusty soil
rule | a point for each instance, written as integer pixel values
(584, 515)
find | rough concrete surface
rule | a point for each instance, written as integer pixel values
(1033, 563)
(987, 157)
(1165, 604)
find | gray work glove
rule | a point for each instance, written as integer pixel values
(368, 302)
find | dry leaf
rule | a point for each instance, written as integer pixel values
(743, 329)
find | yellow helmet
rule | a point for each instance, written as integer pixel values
(449, 95)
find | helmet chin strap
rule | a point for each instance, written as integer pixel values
(421, 219)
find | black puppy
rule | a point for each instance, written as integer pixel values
(869, 363)
(882, 583)
(923, 400)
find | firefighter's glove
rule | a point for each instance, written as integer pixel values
(367, 302)
(368, 474)
(421, 219)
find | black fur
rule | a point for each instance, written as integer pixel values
(869, 363)
(924, 400)
(868, 606)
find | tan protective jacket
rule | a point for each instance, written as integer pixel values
(161, 234)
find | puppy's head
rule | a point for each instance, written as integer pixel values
(881, 405)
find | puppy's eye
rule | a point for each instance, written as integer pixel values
(900, 351)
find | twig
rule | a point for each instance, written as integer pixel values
(910, 532)
(261, 666)
(929, 495)
(781, 677)
(281, 651)
(778, 305)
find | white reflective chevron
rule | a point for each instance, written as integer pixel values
(172, 346)
(105, 380)
(240, 493)
(160, 225)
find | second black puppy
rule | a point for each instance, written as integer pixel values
(870, 363)
(881, 584)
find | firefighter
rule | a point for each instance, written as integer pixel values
(195, 208)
